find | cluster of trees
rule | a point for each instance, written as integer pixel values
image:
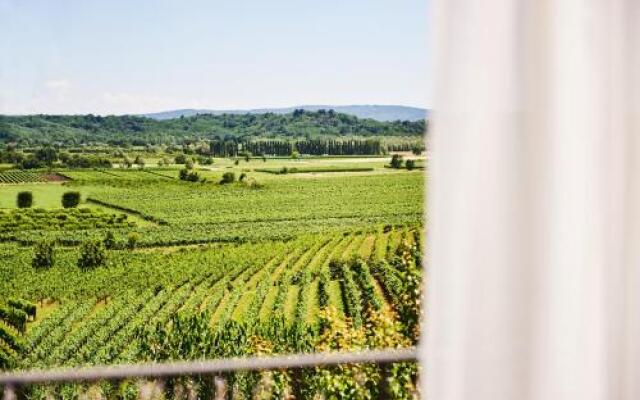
(93, 253)
(128, 163)
(48, 156)
(69, 199)
(73, 130)
(182, 158)
(234, 148)
(405, 147)
(86, 161)
(398, 162)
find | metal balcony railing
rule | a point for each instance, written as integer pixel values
(11, 382)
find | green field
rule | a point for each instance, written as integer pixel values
(280, 265)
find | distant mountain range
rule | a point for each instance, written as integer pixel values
(376, 112)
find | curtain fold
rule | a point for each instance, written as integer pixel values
(533, 276)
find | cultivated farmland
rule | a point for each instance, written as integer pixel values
(270, 263)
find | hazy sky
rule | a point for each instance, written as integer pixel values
(135, 56)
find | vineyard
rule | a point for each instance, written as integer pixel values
(277, 291)
(203, 270)
(177, 213)
(38, 219)
(28, 176)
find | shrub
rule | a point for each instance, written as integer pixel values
(410, 164)
(109, 241)
(185, 175)
(132, 240)
(252, 183)
(92, 255)
(43, 256)
(70, 199)
(25, 199)
(396, 161)
(180, 159)
(228, 177)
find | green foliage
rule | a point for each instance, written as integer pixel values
(205, 160)
(189, 176)
(28, 307)
(402, 281)
(13, 320)
(24, 200)
(410, 164)
(257, 267)
(396, 161)
(48, 155)
(70, 199)
(132, 240)
(12, 347)
(299, 170)
(43, 255)
(15, 317)
(181, 159)
(134, 130)
(228, 177)
(323, 289)
(28, 226)
(91, 161)
(179, 214)
(92, 255)
(153, 307)
(109, 241)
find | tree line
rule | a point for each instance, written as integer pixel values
(233, 148)
(74, 130)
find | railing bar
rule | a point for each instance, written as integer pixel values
(9, 392)
(209, 367)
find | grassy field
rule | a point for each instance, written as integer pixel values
(45, 195)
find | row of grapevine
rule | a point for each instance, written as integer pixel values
(13, 317)
(297, 285)
(24, 177)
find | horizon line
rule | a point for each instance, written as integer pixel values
(220, 110)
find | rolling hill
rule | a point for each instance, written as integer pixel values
(376, 112)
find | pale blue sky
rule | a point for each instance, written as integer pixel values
(134, 56)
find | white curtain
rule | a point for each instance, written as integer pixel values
(533, 275)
